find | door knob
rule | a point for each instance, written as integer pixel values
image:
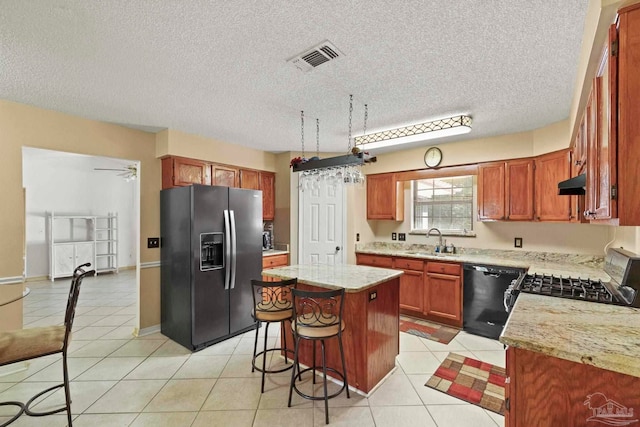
(337, 248)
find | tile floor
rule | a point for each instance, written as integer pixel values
(119, 380)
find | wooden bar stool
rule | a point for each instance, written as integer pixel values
(272, 303)
(317, 316)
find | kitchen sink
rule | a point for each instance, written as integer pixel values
(429, 253)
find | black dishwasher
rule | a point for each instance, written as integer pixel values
(483, 310)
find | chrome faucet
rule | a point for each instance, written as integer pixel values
(439, 236)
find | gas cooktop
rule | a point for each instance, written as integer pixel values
(624, 288)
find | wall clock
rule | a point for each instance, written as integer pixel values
(433, 157)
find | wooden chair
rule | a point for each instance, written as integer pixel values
(271, 304)
(317, 316)
(26, 344)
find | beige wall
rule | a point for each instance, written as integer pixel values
(537, 237)
(458, 153)
(176, 143)
(24, 125)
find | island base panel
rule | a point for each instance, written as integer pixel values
(545, 391)
(370, 339)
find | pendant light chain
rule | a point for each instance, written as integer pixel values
(350, 114)
(366, 116)
(302, 130)
(317, 137)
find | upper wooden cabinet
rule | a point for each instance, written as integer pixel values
(385, 197)
(178, 172)
(519, 190)
(505, 191)
(268, 187)
(264, 181)
(491, 191)
(249, 179)
(224, 175)
(550, 169)
(626, 178)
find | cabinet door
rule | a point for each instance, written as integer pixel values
(412, 290)
(63, 260)
(249, 179)
(385, 197)
(579, 157)
(226, 177)
(443, 298)
(189, 171)
(268, 187)
(550, 170)
(84, 253)
(491, 192)
(519, 190)
(603, 176)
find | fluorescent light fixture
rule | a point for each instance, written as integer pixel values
(449, 126)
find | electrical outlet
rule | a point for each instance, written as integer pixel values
(517, 242)
(357, 237)
(402, 237)
(153, 242)
(394, 236)
(373, 295)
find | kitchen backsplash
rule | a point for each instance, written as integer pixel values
(593, 261)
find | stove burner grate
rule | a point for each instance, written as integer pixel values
(567, 287)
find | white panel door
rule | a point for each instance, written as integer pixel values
(322, 224)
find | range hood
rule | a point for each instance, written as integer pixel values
(573, 186)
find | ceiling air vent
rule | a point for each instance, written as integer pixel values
(317, 55)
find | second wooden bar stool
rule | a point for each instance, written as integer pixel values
(272, 303)
(317, 316)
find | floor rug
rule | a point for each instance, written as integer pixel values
(428, 330)
(473, 381)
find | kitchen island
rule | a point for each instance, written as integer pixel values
(371, 315)
(571, 363)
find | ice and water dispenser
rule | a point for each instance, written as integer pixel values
(211, 251)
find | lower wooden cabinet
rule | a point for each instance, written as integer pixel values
(546, 391)
(443, 293)
(430, 290)
(273, 261)
(411, 283)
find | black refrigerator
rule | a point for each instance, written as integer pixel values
(211, 248)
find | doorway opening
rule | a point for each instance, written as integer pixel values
(67, 185)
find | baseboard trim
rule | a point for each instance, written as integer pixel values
(146, 331)
(11, 280)
(151, 264)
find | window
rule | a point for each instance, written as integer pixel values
(444, 203)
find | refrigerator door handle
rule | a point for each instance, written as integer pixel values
(227, 255)
(234, 255)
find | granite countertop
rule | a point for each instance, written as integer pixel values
(353, 278)
(603, 335)
(582, 266)
(272, 252)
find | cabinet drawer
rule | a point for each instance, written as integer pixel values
(408, 264)
(443, 268)
(275, 261)
(375, 260)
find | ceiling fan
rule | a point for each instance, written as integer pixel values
(129, 172)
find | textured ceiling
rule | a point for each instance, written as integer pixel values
(218, 68)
